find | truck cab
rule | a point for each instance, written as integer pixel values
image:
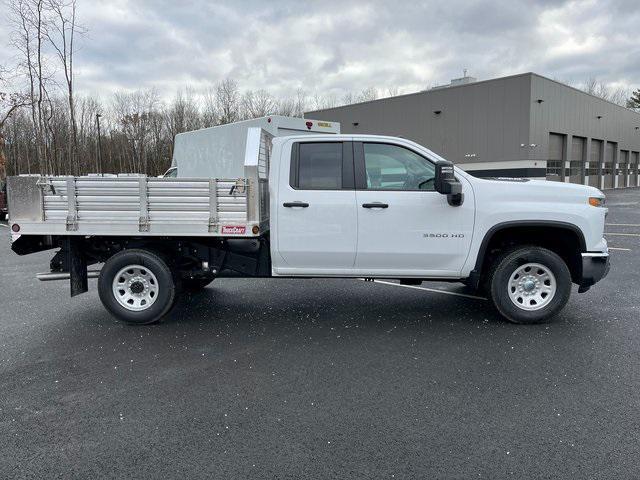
(365, 206)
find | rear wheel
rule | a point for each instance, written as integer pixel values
(137, 286)
(529, 284)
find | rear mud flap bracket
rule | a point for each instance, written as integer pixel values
(77, 267)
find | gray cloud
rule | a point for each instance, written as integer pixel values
(332, 47)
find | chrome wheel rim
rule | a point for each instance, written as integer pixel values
(135, 288)
(532, 286)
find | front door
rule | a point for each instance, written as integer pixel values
(405, 227)
(316, 208)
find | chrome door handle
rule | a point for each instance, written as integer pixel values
(375, 205)
(295, 204)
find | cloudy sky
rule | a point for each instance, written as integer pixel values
(329, 47)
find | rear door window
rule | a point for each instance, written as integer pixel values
(322, 166)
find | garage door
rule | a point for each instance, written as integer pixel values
(622, 168)
(594, 163)
(633, 169)
(576, 166)
(554, 160)
(607, 167)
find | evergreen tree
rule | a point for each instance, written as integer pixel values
(634, 100)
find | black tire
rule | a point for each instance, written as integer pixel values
(506, 265)
(154, 263)
(193, 285)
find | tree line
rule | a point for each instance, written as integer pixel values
(136, 128)
(45, 127)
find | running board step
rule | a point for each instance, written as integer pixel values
(50, 276)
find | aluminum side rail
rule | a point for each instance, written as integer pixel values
(132, 206)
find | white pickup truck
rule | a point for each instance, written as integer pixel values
(315, 205)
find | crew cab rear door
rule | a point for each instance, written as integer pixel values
(405, 227)
(316, 210)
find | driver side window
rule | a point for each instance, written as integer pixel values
(391, 167)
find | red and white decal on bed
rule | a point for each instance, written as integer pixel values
(234, 229)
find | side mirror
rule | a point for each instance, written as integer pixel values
(445, 182)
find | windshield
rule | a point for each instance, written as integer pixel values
(171, 173)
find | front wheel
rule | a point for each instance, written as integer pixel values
(137, 286)
(529, 284)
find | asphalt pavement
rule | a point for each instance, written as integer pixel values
(322, 379)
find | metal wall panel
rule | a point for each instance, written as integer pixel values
(595, 162)
(622, 170)
(634, 174)
(481, 122)
(578, 153)
(608, 167)
(555, 159)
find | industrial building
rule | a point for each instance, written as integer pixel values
(518, 126)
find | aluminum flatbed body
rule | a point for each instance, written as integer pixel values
(137, 205)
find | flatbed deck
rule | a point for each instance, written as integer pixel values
(136, 206)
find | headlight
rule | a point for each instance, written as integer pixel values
(596, 201)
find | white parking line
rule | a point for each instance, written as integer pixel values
(623, 234)
(623, 224)
(434, 290)
(4, 225)
(621, 249)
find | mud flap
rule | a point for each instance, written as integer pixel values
(77, 266)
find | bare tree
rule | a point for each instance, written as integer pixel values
(320, 102)
(368, 94)
(134, 113)
(29, 26)
(210, 113)
(182, 114)
(39, 23)
(293, 106)
(160, 143)
(9, 105)
(86, 108)
(228, 101)
(301, 101)
(286, 107)
(19, 142)
(600, 89)
(258, 104)
(60, 34)
(348, 99)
